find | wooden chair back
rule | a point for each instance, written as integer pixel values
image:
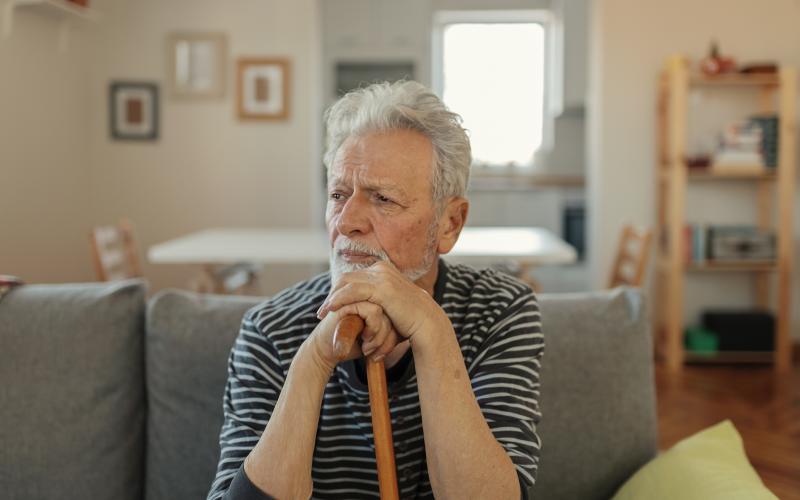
(633, 254)
(114, 252)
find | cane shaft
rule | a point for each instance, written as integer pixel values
(382, 430)
(345, 335)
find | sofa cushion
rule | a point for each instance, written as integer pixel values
(598, 401)
(711, 465)
(72, 393)
(189, 338)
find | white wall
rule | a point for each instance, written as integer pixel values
(44, 159)
(630, 40)
(207, 169)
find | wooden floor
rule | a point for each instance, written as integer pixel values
(764, 408)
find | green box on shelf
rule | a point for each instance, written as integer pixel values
(701, 341)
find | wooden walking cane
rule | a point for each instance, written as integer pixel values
(347, 330)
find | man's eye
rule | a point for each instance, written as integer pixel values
(336, 196)
(381, 198)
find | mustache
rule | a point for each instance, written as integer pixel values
(343, 244)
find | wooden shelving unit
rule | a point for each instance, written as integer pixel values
(774, 205)
(61, 10)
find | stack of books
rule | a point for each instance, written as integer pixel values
(740, 147)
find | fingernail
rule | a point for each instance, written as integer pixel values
(378, 358)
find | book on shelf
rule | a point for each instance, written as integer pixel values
(769, 138)
(694, 243)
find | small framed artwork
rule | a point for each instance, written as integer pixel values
(197, 64)
(263, 89)
(134, 111)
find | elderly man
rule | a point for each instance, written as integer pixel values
(462, 347)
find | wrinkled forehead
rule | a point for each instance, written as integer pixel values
(398, 158)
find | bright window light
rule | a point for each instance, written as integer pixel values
(493, 76)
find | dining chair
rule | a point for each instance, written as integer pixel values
(116, 258)
(114, 252)
(632, 256)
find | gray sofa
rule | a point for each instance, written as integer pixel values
(105, 395)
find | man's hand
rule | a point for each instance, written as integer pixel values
(378, 338)
(382, 291)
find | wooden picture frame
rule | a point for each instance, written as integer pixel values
(263, 89)
(133, 110)
(197, 63)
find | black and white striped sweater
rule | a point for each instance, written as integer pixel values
(497, 322)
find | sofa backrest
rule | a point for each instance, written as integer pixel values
(72, 400)
(73, 397)
(189, 338)
(598, 395)
(597, 398)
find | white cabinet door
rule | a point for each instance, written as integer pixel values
(405, 24)
(350, 23)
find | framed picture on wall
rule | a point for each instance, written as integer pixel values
(263, 88)
(197, 64)
(133, 111)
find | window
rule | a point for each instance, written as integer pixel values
(492, 67)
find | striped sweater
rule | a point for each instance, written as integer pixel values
(496, 319)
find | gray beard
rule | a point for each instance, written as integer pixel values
(339, 266)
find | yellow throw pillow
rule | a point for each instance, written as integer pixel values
(709, 465)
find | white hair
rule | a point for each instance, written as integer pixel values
(405, 105)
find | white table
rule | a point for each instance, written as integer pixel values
(528, 246)
(525, 246)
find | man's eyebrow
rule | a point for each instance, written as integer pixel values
(375, 186)
(383, 186)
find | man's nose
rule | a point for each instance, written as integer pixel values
(353, 219)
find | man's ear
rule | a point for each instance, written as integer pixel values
(451, 222)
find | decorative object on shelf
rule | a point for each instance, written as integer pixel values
(197, 63)
(263, 89)
(715, 64)
(719, 244)
(698, 161)
(133, 110)
(740, 243)
(763, 68)
(740, 146)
